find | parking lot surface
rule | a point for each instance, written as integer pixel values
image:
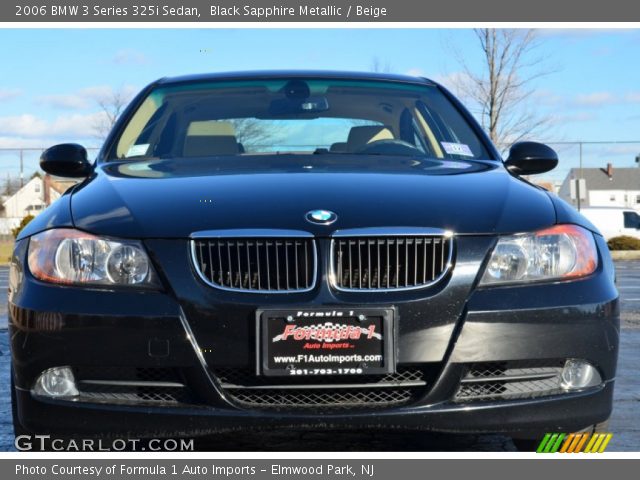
(624, 424)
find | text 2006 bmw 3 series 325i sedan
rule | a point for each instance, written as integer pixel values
(308, 249)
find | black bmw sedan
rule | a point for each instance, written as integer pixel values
(308, 249)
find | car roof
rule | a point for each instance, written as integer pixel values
(278, 74)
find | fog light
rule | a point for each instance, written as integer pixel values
(578, 374)
(56, 382)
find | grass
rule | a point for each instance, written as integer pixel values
(6, 248)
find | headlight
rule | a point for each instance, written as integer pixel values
(560, 252)
(70, 256)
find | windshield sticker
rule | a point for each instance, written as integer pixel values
(137, 150)
(457, 149)
(455, 165)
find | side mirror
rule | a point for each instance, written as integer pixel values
(530, 158)
(66, 160)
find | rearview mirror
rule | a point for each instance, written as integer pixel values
(294, 106)
(66, 160)
(530, 158)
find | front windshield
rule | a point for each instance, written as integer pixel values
(299, 116)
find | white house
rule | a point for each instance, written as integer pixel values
(37, 194)
(605, 187)
(29, 200)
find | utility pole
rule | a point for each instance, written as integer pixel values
(21, 168)
(580, 144)
(579, 179)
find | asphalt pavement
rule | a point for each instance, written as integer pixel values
(625, 421)
(628, 280)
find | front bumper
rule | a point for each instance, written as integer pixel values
(196, 330)
(568, 413)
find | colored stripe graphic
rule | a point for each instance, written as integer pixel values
(556, 446)
(567, 442)
(574, 443)
(543, 443)
(605, 442)
(590, 443)
(581, 443)
(549, 446)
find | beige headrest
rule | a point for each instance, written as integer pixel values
(360, 136)
(210, 138)
(211, 128)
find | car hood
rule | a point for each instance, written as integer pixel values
(175, 198)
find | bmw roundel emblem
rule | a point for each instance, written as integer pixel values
(321, 217)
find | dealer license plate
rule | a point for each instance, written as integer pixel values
(325, 341)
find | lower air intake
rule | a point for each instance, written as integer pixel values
(510, 380)
(347, 392)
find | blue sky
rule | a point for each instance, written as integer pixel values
(50, 78)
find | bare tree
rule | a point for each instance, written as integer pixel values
(11, 185)
(111, 106)
(501, 91)
(379, 66)
(253, 133)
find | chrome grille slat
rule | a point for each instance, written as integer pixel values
(251, 264)
(389, 262)
(433, 259)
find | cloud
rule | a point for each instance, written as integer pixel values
(22, 142)
(548, 98)
(64, 101)
(84, 98)
(130, 57)
(629, 151)
(602, 51)
(584, 32)
(9, 94)
(452, 81)
(574, 117)
(416, 72)
(97, 92)
(30, 126)
(632, 97)
(595, 99)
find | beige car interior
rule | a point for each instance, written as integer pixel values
(361, 136)
(210, 138)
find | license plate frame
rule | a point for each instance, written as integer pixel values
(324, 321)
